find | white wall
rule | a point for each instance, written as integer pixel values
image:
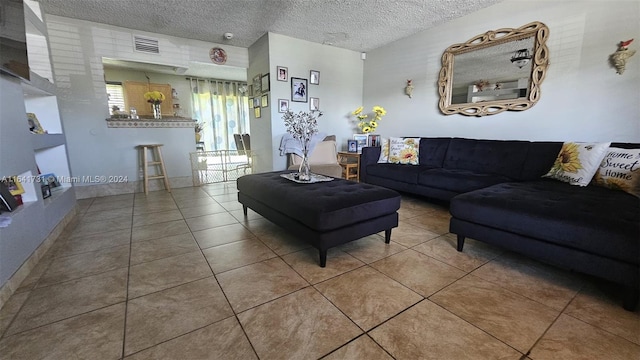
(582, 97)
(339, 91)
(260, 128)
(77, 48)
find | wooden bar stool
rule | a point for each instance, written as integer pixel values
(156, 161)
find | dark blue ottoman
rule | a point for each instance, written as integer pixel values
(325, 214)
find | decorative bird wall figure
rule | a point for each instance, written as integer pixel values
(409, 88)
(619, 58)
(625, 44)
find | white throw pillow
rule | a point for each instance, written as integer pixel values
(404, 150)
(620, 170)
(384, 151)
(578, 162)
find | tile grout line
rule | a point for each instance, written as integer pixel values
(126, 298)
(235, 315)
(475, 326)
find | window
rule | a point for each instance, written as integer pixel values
(115, 96)
(224, 107)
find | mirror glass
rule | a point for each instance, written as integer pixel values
(493, 72)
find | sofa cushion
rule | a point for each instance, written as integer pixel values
(576, 163)
(620, 170)
(384, 151)
(592, 218)
(540, 158)
(458, 180)
(404, 173)
(404, 150)
(497, 157)
(433, 150)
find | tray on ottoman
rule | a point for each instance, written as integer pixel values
(325, 214)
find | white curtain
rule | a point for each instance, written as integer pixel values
(224, 107)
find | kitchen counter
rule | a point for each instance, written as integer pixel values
(165, 122)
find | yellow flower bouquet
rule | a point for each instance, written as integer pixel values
(154, 97)
(365, 125)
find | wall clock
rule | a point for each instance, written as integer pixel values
(218, 55)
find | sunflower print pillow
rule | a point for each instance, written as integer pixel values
(578, 162)
(620, 170)
(404, 150)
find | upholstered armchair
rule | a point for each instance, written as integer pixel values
(323, 159)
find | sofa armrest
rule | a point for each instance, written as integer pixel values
(369, 156)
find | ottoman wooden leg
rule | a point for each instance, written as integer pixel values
(323, 258)
(244, 210)
(387, 236)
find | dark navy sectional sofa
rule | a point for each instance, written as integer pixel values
(497, 195)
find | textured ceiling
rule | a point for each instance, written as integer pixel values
(359, 25)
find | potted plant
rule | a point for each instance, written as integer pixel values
(199, 126)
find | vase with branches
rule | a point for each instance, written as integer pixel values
(302, 126)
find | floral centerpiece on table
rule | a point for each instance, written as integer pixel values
(302, 126)
(155, 98)
(365, 125)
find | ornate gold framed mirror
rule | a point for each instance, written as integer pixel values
(493, 72)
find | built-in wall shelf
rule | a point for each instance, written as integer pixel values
(57, 194)
(20, 210)
(45, 141)
(26, 155)
(39, 86)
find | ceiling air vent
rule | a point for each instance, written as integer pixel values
(145, 44)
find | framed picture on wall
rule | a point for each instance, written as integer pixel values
(257, 112)
(264, 101)
(298, 89)
(283, 73)
(264, 83)
(283, 105)
(256, 102)
(314, 104)
(314, 77)
(257, 85)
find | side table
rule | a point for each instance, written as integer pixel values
(350, 163)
